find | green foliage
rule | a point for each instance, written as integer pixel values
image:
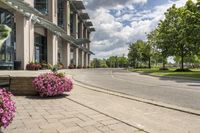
(4, 33)
(112, 62)
(140, 52)
(178, 35)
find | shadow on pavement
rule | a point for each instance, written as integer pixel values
(37, 97)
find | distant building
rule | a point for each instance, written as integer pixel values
(51, 31)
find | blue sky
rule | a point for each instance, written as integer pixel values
(119, 22)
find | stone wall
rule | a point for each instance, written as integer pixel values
(21, 85)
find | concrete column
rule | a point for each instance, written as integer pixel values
(81, 34)
(66, 46)
(31, 2)
(89, 60)
(67, 17)
(66, 54)
(86, 60)
(82, 59)
(52, 11)
(76, 56)
(75, 25)
(52, 48)
(85, 36)
(52, 40)
(24, 40)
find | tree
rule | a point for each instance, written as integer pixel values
(179, 33)
(140, 52)
(135, 55)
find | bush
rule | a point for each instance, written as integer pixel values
(60, 66)
(52, 84)
(33, 66)
(7, 108)
(182, 70)
(72, 66)
(45, 65)
(163, 69)
(79, 67)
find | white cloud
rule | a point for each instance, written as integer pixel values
(114, 31)
(95, 4)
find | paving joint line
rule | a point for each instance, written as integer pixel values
(107, 115)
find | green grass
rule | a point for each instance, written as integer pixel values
(195, 73)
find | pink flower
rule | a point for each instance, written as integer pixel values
(7, 108)
(50, 84)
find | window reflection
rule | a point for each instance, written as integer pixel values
(41, 5)
(7, 51)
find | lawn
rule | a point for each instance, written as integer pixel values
(155, 71)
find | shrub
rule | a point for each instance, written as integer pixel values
(79, 67)
(183, 70)
(60, 66)
(72, 66)
(163, 69)
(7, 108)
(45, 65)
(52, 84)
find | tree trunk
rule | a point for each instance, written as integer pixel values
(163, 63)
(149, 62)
(182, 60)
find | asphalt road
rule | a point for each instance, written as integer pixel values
(180, 92)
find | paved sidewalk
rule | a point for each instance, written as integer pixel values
(61, 115)
(153, 119)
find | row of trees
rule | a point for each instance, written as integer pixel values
(178, 35)
(112, 62)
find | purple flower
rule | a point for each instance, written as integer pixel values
(51, 84)
(7, 108)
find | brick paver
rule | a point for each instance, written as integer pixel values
(60, 115)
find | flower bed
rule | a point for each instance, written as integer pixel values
(7, 108)
(33, 66)
(52, 84)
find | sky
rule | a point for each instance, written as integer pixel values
(120, 22)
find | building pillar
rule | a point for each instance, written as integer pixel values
(76, 57)
(52, 39)
(52, 48)
(75, 34)
(81, 34)
(75, 25)
(86, 60)
(66, 45)
(24, 40)
(89, 60)
(82, 60)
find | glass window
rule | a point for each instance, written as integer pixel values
(61, 13)
(41, 5)
(40, 48)
(7, 51)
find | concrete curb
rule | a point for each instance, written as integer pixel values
(122, 95)
(168, 77)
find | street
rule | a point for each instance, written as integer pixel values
(179, 92)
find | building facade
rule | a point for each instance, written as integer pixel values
(51, 31)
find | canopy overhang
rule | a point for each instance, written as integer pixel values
(30, 12)
(92, 29)
(84, 16)
(88, 23)
(78, 5)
